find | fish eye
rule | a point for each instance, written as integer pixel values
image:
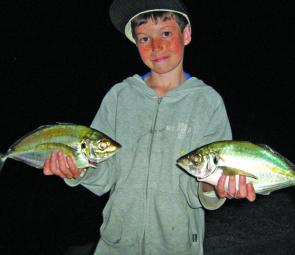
(215, 160)
(195, 160)
(83, 145)
(103, 145)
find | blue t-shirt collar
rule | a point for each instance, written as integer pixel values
(143, 77)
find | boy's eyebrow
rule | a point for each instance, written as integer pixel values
(173, 26)
(140, 33)
(162, 28)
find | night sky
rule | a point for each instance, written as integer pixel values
(57, 61)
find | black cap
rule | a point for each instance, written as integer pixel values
(123, 11)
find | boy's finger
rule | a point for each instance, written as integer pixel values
(61, 161)
(220, 187)
(242, 193)
(232, 186)
(72, 167)
(63, 168)
(46, 168)
(53, 162)
(251, 192)
(54, 165)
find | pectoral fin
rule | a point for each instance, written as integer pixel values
(2, 160)
(235, 171)
(266, 193)
(92, 163)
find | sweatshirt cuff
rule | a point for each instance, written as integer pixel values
(209, 200)
(73, 182)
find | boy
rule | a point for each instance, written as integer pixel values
(154, 207)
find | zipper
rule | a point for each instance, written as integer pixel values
(159, 100)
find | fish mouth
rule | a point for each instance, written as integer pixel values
(184, 163)
(181, 159)
(117, 145)
(103, 157)
(113, 145)
(180, 162)
(184, 160)
(113, 148)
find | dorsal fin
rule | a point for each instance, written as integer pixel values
(27, 135)
(265, 146)
(65, 123)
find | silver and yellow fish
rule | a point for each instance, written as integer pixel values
(262, 166)
(86, 145)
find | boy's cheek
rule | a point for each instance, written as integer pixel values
(143, 52)
(143, 47)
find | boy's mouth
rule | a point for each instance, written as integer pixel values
(160, 59)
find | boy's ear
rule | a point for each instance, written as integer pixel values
(187, 35)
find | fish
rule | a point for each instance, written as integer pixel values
(86, 145)
(265, 168)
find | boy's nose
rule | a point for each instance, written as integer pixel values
(156, 44)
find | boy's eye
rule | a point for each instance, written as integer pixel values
(166, 34)
(143, 39)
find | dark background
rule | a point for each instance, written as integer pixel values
(59, 58)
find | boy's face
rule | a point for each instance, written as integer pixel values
(161, 44)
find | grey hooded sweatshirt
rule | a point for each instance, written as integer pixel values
(154, 208)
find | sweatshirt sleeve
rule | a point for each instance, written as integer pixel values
(100, 180)
(218, 129)
(195, 195)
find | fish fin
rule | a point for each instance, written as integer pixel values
(18, 141)
(92, 164)
(65, 123)
(33, 132)
(265, 146)
(266, 190)
(30, 162)
(2, 161)
(266, 193)
(235, 171)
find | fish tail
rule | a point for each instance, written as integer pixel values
(2, 160)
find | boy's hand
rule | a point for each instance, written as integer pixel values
(245, 190)
(61, 165)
